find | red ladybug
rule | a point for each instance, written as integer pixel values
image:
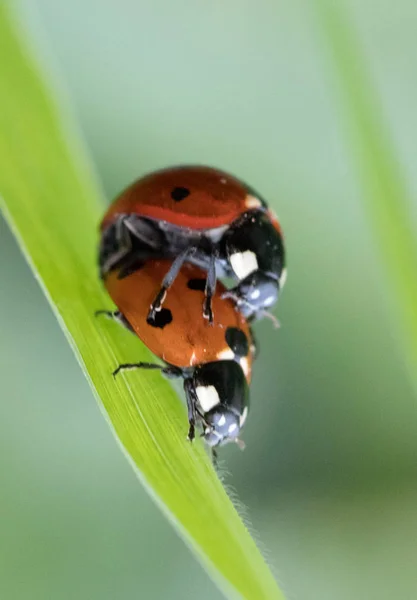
(215, 361)
(204, 216)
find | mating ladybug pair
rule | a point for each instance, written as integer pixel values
(164, 243)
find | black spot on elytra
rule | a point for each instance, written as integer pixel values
(179, 193)
(237, 341)
(162, 318)
(197, 284)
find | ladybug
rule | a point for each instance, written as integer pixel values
(204, 216)
(215, 361)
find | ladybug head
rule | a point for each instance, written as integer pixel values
(255, 294)
(222, 425)
(222, 400)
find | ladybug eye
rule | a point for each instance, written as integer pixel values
(237, 341)
(162, 317)
(179, 193)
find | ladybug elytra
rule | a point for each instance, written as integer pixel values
(204, 216)
(214, 360)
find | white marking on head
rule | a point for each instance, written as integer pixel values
(232, 428)
(252, 202)
(255, 294)
(283, 278)
(244, 263)
(243, 416)
(222, 421)
(269, 301)
(207, 396)
(226, 354)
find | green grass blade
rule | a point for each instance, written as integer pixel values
(385, 192)
(52, 204)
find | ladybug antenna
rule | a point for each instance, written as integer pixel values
(230, 294)
(271, 317)
(240, 443)
(239, 301)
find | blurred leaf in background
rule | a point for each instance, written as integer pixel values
(331, 450)
(52, 204)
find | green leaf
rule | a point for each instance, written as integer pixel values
(53, 206)
(385, 192)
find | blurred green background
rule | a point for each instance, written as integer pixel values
(329, 472)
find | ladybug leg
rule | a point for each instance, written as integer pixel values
(169, 280)
(115, 245)
(134, 259)
(134, 366)
(132, 263)
(143, 230)
(126, 242)
(115, 316)
(210, 288)
(192, 400)
(214, 458)
(168, 371)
